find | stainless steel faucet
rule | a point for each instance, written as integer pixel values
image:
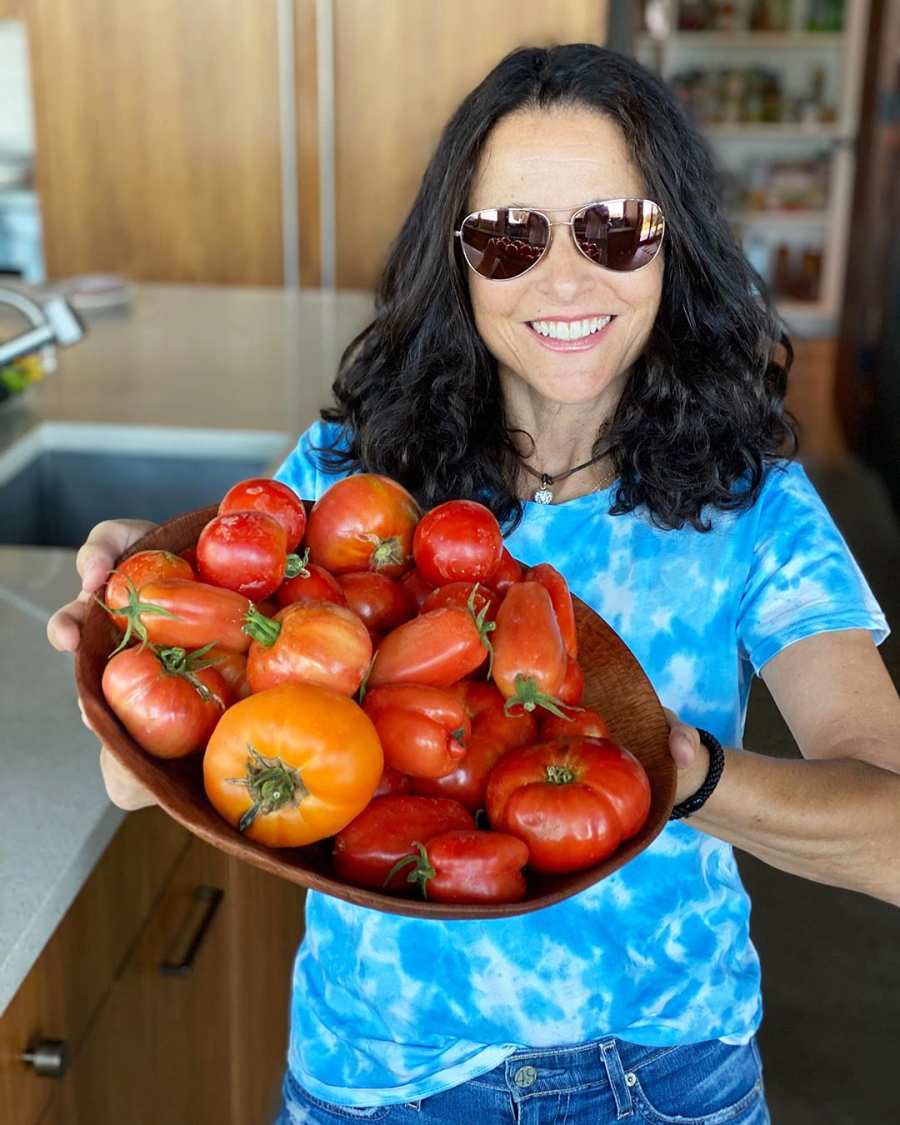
(53, 321)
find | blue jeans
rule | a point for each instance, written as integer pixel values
(606, 1081)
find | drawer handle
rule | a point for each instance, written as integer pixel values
(211, 897)
(49, 1057)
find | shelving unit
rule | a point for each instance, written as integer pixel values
(818, 76)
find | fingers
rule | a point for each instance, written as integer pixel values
(64, 627)
(123, 789)
(684, 741)
(97, 555)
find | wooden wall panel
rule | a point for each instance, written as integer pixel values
(157, 128)
(401, 68)
(307, 109)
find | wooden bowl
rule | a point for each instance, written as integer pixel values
(615, 685)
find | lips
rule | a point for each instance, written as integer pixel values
(583, 344)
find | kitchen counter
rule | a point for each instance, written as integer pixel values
(202, 357)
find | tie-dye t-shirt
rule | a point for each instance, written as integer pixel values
(387, 1008)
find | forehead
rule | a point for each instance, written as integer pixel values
(554, 159)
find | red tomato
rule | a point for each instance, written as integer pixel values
(415, 585)
(178, 611)
(465, 865)
(486, 708)
(380, 602)
(292, 765)
(580, 722)
(370, 845)
(507, 572)
(468, 781)
(189, 554)
(558, 589)
(168, 701)
(232, 667)
(437, 648)
(572, 801)
(245, 552)
(572, 688)
(459, 541)
(259, 494)
(423, 730)
(460, 594)
(363, 522)
(392, 781)
(136, 571)
(529, 654)
(312, 584)
(309, 643)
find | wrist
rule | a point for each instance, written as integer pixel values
(707, 782)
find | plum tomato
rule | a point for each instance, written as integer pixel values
(423, 730)
(259, 494)
(459, 541)
(138, 569)
(467, 866)
(529, 654)
(312, 584)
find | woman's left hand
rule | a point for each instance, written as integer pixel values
(689, 754)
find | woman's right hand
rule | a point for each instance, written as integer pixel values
(95, 559)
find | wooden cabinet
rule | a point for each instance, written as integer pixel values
(206, 1044)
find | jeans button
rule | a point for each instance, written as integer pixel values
(630, 1078)
(525, 1076)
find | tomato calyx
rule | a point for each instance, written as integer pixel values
(484, 627)
(263, 629)
(179, 662)
(295, 565)
(529, 696)
(421, 874)
(132, 612)
(560, 775)
(271, 783)
(389, 552)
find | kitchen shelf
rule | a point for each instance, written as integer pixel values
(749, 39)
(775, 130)
(761, 217)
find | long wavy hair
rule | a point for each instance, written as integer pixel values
(417, 392)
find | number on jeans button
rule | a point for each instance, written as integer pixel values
(525, 1075)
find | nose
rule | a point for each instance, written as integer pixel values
(564, 270)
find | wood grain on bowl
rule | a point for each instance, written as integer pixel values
(615, 685)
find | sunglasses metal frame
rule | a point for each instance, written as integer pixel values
(569, 223)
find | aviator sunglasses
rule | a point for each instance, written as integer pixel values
(618, 234)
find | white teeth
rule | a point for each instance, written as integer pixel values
(566, 330)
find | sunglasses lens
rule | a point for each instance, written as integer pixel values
(504, 243)
(620, 234)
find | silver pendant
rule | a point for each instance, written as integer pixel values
(543, 496)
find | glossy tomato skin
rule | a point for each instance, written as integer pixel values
(363, 522)
(572, 688)
(318, 643)
(416, 586)
(424, 730)
(138, 569)
(392, 781)
(243, 551)
(232, 667)
(558, 589)
(507, 572)
(436, 648)
(473, 867)
(573, 801)
(459, 594)
(581, 722)
(527, 641)
(467, 782)
(485, 706)
(459, 541)
(314, 585)
(202, 614)
(367, 849)
(164, 713)
(259, 494)
(381, 603)
(324, 742)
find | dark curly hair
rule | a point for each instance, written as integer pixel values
(417, 392)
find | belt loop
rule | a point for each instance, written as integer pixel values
(615, 1072)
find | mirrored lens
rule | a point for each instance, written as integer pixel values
(620, 234)
(505, 242)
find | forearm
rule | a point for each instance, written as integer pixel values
(834, 821)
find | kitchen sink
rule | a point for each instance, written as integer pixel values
(60, 480)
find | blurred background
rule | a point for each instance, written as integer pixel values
(212, 187)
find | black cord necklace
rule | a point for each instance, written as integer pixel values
(544, 494)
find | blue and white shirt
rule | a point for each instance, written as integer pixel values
(389, 1009)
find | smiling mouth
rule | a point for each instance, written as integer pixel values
(569, 330)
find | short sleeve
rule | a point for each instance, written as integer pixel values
(802, 578)
(300, 469)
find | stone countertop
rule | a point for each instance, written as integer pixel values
(201, 357)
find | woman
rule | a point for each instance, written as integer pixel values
(566, 331)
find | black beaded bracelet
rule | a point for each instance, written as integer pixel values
(716, 765)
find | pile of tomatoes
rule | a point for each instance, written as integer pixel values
(402, 689)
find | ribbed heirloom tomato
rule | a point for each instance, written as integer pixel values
(292, 764)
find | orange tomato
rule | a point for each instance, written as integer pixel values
(308, 760)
